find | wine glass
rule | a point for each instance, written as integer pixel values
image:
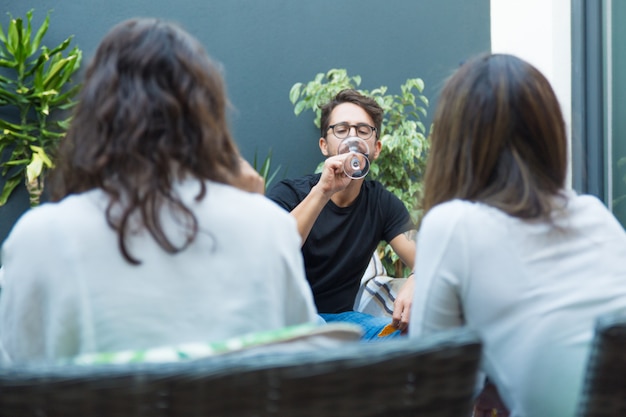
(357, 163)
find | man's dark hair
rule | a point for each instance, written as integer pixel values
(368, 104)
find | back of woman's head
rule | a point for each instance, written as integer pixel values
(151, 102)
(152, 110)
(498, 138)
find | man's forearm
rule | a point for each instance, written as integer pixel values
(404, 246)
(308, 210)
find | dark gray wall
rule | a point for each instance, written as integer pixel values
(266, 46)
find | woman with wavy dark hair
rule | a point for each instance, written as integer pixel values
(154, 237)
(504, 247)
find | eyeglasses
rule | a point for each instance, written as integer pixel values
(342, 130)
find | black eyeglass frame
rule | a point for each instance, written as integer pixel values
(356, 129)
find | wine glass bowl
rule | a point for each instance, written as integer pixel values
(357, 163)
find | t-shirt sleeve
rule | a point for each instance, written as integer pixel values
(440, 261)
(397, 217)
(285, 195)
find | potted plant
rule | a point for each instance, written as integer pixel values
(400, 166)
(265, 168)
(35, 90)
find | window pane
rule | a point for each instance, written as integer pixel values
(616, 103)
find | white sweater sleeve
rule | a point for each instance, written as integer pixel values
(300, 307)
(441, 261)
(38, 309)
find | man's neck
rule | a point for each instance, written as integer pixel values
(346, 197)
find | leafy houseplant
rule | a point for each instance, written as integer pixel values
(400, 166)
(34, 84)
(265, 170)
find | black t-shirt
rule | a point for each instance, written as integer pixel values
(342, 240)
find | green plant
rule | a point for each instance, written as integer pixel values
(400, 166)
(265, 169)
(34, 84)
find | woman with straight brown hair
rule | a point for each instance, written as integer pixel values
(504, 247)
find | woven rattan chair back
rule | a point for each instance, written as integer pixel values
(604, 388)
(430, 377)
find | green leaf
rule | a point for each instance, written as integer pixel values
(24, 136)
(40, 34)
(27, 34)
(294, 93)
(14, 98)
(74, 60)
(8, 64)
(64, 124)
(57, 67)
(335, 74)
(20, 51)
(16, 162)
(300, 106)
(37, 65)
(34, 169)
(64, 101)
(61, 47)
(9, 126)
(264, 170)
(8, 188)
(12, 36)
(45, 133)
(271, 178)
(3, 37)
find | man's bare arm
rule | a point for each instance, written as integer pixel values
(308, 210)
(331, 181)
(404, 246)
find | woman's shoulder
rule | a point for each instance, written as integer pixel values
(67, 208)
(244, 203)
(584, 200)
(42, 221)
(459, 208)
(244, 213)
(447, 217)
(586, 209)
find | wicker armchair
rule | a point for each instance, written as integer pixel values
(433, 376)
(604, 388)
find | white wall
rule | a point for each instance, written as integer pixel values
(538, 31)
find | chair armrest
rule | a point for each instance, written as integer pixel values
(604, 387)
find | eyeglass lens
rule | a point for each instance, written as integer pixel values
(342, 130)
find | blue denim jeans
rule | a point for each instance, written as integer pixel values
(371, 325)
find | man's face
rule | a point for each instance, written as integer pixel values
(352, 115)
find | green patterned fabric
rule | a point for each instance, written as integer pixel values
(190, 351)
